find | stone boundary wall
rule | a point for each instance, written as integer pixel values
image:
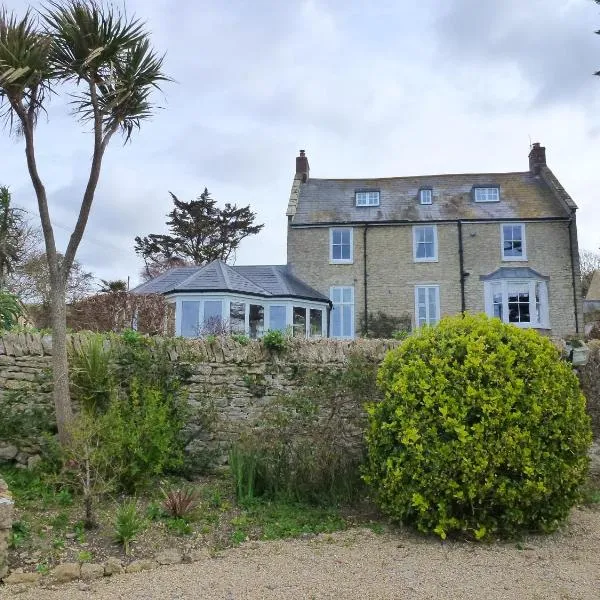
(6, 519)
(236, 379)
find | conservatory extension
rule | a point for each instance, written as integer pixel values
(218, 298)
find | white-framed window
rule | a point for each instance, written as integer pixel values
(367, 198)
(514, 246)
(426, 196)
(427, 304)
(342, 312)
(340, 245)
(487, 194)
(521, 302)
(425, 243)
(277, 317)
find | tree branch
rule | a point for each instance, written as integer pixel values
(100, 144)
(27, 118)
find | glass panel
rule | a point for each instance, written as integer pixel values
(497, 301)
(299, 321)
(336, 321)
(256, 320)
(347, 294)
(212, 322)
(277, 318)
(429, 235)
(237, 317)
(347, 321)
(518, 303)
(432, 306)
(538, 303)
(316, 322)
(190, 318)
(421, 294)
(336, 295)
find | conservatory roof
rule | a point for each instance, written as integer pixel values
(268, 281)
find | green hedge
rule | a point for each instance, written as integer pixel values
(482, 430)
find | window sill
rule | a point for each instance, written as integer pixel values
(425, 260)
(514, 259)
(341, 262)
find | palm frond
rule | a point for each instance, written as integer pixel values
(25, 72)
(87, 37)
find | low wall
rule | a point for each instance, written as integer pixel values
(238, 380)
(6, 519)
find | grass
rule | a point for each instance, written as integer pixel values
(49, 524)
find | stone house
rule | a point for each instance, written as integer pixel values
(432, 245)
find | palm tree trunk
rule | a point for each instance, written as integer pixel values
(60, 367)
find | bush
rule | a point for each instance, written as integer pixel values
(482, 430)
(141, 435)
(275, 340)
(307, 446)
(128, 523)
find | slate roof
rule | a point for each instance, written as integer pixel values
(267, 281)
(522, 196)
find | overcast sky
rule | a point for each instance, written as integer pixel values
(369, 89)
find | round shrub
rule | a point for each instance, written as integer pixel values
(482, 430)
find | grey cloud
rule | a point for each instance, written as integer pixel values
(550, 42)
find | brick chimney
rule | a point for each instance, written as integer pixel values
(537, 158)
(302, 168)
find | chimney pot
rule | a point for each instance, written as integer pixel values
(302, 167)
(537, 158)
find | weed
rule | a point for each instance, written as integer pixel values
(128, 523)
(181, 502)
(238, 536)
(275, 340)
(58, 543)
(60, 521)
(64, 497)
(84, 556)
(155, 511)
(42, 568)
(79, 531)
(20, 532)
(240, 338)
(179, 526)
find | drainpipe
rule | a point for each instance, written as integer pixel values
(366, 315)
(461, 265)
(573, 275)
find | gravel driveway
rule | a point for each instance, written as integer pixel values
(363, 565)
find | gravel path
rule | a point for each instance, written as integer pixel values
(359, 564)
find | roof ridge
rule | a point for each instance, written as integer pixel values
(224, 272)
(418, 176)
(199, 269)
(279, 277)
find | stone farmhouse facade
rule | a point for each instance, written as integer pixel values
(423, 247)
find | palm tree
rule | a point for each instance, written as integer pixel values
(107, 58)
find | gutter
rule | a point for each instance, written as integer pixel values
(366, 309)
(573, 275)
(438, 221)
(461, 266)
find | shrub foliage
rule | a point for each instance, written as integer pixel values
(482, 430)
(307, 446)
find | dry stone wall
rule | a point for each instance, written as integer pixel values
(6, 517)
(235, 380)
(231, 380)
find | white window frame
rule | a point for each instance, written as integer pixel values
(367, 198)
(341, 261)
(436, 317)
(523, 256)
(544, 320)
(434, 258)
(334, 305)
(426, 196)
(482, 193)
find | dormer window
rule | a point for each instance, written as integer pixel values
(426, 196)
(486, 194)
(367, 198)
